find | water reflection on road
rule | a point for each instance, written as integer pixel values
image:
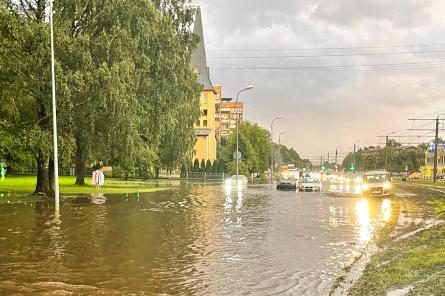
(195, 240)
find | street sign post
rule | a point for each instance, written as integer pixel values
(234, 155)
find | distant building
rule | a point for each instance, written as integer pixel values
(427, 169)
(205, 127)
(227, 113)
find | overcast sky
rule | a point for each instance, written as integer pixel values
(347, 90)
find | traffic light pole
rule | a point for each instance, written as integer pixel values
(354, 155)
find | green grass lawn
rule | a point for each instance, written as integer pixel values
(425, 182)
(26, 185)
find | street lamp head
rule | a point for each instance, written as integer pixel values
(244, 89)
(279, 117)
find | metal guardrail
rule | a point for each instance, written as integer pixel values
(62, 171)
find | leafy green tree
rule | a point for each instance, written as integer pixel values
(126, 92)
(254, 145)
(202, 167)
(196, 165)
(209, 166)
(25, 94)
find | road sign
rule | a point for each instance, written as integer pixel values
(234, 155)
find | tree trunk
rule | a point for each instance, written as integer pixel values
(43, 186)
(51, 174)
(157, 172)
(79, 163)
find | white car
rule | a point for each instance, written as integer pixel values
(309, 184)
(240, 180)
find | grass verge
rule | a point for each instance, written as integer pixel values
(25, 185)
(417, 261)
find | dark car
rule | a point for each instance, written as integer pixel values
(287, 183)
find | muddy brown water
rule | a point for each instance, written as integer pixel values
(192, 240)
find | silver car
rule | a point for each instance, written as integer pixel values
(308, 184)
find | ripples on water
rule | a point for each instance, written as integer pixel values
(198, 240)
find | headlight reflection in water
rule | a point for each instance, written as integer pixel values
(386, 210)
(363, 220)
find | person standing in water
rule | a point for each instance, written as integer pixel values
(98, 178)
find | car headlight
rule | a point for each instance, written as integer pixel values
(387, 185)
(365, 186)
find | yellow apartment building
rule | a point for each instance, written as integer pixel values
(205, 127)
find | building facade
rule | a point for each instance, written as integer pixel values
(427, 170)
(205, 127)
(227, 113)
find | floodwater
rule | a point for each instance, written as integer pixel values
(192, 240)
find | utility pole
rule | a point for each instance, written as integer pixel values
(386, 153)
(436, 142)
(336, 159)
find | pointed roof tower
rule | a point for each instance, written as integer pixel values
(199, 59)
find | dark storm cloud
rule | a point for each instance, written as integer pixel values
(325, 109)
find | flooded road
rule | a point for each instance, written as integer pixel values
(193, 240)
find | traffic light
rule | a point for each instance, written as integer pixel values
(352, 167)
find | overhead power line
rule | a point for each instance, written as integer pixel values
(325, 48)
(428, 114)
(358, 67)
(326, 55)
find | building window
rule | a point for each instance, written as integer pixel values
(204, 112)
(198, 123)
(204, 122)
(205, 98)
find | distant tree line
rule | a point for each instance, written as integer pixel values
(285, 155)
(393, 158)
(126, 94)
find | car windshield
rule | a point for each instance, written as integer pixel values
(376, 178)
(307, 180)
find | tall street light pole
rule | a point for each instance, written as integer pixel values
(271, 147)
(355, 148)
(279, 147)
(53, 86)
(237, 130)
(279, 137)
